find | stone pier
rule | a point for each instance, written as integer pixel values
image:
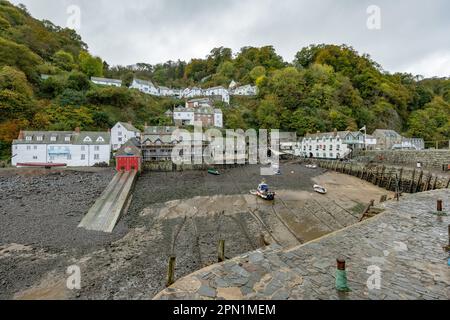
(398, 254)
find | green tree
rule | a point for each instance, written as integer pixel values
(64, 60)
(91, 66)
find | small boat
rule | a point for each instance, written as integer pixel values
(320, 189)
(214, 172)
(311, 166)
(263, 192)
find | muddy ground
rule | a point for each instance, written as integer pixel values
(183, 214)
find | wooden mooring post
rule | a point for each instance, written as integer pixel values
(427, 184)
(435, 183)
(380, 183)
(221, 251)
(400, 181)
(171, 271)
(411, 185)
(419, 182)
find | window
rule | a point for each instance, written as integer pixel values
(67, 139)
(331, 147)
(119, 133)
(69, 157)
(29, 138)
(28, 147)
(39, 138)
(83, 148)
(331, 154)
(53, 139)
(96, 148)
(87, 139)
(35, 157)
(100, 139)
(83, 157)
(52, 158)
(120, 139)
(96, 156)
(338, 147)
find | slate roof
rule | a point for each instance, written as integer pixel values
(106, 80)
(95, 138)
(129, 127)
(131, 147)
(144, 82)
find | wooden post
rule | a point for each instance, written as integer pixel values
(400, 181)
(380, 183)
(448, 184)
(171, 271)
(221, 251)
(412, 181)
(427, 184)
(388, 187)
(376, 177)
(419, 182)
(435, 183)
(383, 198)
(397, 188)
(439, 206)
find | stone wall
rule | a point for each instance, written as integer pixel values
(428, 158)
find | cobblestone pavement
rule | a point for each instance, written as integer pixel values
(403, 245)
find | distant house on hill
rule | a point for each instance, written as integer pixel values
(247, 90)
(218, 92)
(166, 92)
(121, 133)
(145, 86)
(106, 82)
(201, 102)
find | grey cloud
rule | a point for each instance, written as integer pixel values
(414, 34)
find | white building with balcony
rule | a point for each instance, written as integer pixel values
(73, 148)
(331, 145)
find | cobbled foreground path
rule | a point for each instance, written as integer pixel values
(398, 254)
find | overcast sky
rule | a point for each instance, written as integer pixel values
(414, 35)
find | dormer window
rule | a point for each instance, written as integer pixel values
(67, 139)
(29, 138)
(87, 139)
(100, 139)
(53, 138)
(39, 138)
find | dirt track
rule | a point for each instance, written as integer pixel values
(40, 214)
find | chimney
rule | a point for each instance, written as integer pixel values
(77, 130)
(145, 125)
(21, 135)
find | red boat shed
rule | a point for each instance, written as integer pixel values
(129, 158)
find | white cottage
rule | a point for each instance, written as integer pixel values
(145, 86)
(247, 90)
(75, 149)
(121, 133)
(184, 116)
(166, 92)
(218, 92)
(107, 82)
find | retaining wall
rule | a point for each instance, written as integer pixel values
(428, 158)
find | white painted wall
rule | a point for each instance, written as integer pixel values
(120, 135)
(78, 156)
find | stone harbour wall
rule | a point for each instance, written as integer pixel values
(428, 158)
